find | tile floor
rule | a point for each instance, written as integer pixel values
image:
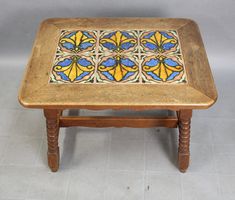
(116, 164)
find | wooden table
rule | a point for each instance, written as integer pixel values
(118, 63)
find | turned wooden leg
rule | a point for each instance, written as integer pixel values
(52, 123)
(184, 117)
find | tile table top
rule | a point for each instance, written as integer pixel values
(118, 63)
(118, 56)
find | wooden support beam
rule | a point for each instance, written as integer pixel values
(113, 121)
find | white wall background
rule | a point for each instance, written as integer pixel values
(19, 19)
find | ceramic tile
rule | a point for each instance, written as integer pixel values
(201, 158)
(161, 156)
(21, 151)
(161, 134)
(200, 186)
(113, 56)
(221, 149)
(47, 185)
(162, 186)
(128, 134)
(3, 145)
(222, 131)
(201, 129)
(227, 186)
(124, 185)
(37, 124)
(126, 155)
(8, 120)
(90, 153)
(225, 164)
(98, 134)
(87, 185)
(14, 181)
(73, 68)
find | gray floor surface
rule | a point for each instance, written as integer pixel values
(117, 164)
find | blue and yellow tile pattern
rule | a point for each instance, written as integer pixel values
(117, 56)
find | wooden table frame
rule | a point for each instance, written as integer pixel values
(55, 120)
(198, 92)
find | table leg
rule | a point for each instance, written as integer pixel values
(184, 117)
(52, 124)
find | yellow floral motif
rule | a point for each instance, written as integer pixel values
(118, 41)
(159, 41)
(77, 41)
(162, 68)
(118, 68)
(74, 69)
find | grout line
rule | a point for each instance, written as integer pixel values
(29, 186)
(68, 184)
(107, 163)
(4, 150)
(181, 187)
(145, 160)
(139, 57)
(96, 56)
(38, 152)
(216, 170)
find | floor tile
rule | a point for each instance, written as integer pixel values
(9, 97)
(128, 133)
(100, 134)
(37, 123)
(8, 119)
(162, 186)
(3, 145)
(221, 149)
(225, 164)
(199, 186)
(201, 158)
(201, 130)
(161, 134)
(227, 186)
(90, 153)
(87, 185)
(46, 185)
(21, 151)
(126, 155)
(124, 185)
(222, 131)
(161, 156)
(14, 181)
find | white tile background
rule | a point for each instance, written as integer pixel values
(116, 164)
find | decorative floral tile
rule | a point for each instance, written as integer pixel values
(77, 41)
(118, 56)
(118, 68)
(159, 68)
(118, 41)
(161, 42)
(73, 69)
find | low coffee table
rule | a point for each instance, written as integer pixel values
(118, 63)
